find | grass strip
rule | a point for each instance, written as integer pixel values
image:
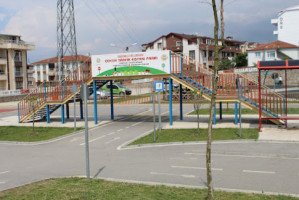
(188, 135)
(79, 188)
(225, 111)
(231, 111)
(25, 133)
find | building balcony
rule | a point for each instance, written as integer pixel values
(3, 60)
(21, 45)
(51, 73)
(175, 48)
(3, 76)
(274, 22)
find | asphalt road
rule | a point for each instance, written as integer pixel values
(241, 166)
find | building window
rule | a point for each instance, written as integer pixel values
(192, 54)
(19, 85)
(18, 56)
(258, 54)
(30, 75)
(45, 77)
(51, 66)
(179, 43)
(159, 45)
(271, 54)
(30, 83)
(37, 67)
(44, 67)
(152, 47)
(190, 42)
(38, 76)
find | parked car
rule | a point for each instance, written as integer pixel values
(118, 89)
(103, 94)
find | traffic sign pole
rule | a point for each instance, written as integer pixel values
(159, 99)
(159, 86)
(154, 114)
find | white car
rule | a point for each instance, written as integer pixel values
(103, 94)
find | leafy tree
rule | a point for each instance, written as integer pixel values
(241, 60)
(225, 64)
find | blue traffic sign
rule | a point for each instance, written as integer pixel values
(159, 86)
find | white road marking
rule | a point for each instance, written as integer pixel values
(128, 127)
(260, 172)
(111, 133)
(2, 182)
(137, 123)
(4, 172)
(200, 168)
(117, 138)
(244, 156)
(119, 130)
(98, 138)
(76, 138)
(169, 174)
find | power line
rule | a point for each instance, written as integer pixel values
(100, 17)
(117, 20)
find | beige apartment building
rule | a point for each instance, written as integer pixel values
(13, 62)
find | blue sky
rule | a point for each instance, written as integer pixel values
(100, 23)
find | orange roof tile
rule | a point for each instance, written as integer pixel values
(66, 59)
(274, 45)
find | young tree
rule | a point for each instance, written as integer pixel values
(197, 97)
(217, 50)
(32, 107)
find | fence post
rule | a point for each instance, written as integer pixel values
(18, 112)
(95, 102)
(236, 112)
(181, 102)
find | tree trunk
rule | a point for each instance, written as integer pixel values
(213, 97)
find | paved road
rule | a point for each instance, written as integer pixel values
(249, 165)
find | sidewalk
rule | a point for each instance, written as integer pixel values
(55, 122)
(270, 132)
(11, 104)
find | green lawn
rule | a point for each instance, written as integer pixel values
(25, 134)
(231, 111)
(79, 188)
(185, 135)
(225, 111)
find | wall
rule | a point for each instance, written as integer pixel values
(288, 29)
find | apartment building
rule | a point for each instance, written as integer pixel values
(200, 48)
(287, 25)
(276, 50)
(45, 70)
(13, 62)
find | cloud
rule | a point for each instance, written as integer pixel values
(2, 16)
(133, 21)
(36, 24)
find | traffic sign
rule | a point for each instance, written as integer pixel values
(74, 88)
(159, 86)
(84, 94)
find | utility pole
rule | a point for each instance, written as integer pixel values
(66, 37)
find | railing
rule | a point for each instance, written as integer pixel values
(56, 91)
(271, 102)
(227, 85)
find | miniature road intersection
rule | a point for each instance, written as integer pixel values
(237, 165)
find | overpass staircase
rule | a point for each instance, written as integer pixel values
(56, 93)
(183, 70)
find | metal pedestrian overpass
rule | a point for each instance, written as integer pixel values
(53, 95)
